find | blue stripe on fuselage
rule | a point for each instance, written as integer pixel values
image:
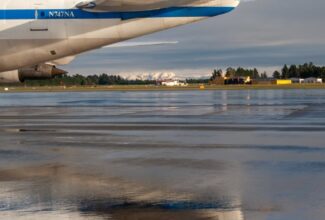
(80, 14)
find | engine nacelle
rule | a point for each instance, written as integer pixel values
(41, 71)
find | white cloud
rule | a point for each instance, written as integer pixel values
(265, 34)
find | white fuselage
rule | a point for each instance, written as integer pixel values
(38, 31)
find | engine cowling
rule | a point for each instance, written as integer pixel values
(38, 72)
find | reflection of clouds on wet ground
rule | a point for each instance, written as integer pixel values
(226, 155)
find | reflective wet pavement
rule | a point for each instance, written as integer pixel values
(227, 155)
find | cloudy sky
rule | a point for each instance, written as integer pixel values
(261, 33)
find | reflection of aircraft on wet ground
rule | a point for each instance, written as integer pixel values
(36, 35)
(55, 181)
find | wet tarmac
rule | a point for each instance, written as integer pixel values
(226, 155)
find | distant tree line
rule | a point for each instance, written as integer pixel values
(300, 71)
(197, 81)
(102, 79)
(239, 72)
(230, 72)
(293, 71)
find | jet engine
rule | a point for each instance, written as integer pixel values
(41, 71)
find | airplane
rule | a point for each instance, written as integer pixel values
(38, 35)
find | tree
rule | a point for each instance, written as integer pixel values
(276, 75)
(230, 72)
(216, 74)
(293, 72)
(285, 72)
(255, 75)
(197, 81)
(103, 79)
(264, 75)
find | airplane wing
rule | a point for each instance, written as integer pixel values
(140, 44)
(62, 61)
(131, 5)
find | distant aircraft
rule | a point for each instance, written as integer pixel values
(37, 35)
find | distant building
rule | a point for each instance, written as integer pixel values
(237, 80)
(267, 81)
(218, 81)
(297, 80)
(171, 82)
(283, 82)
(271, 81)
(313, 80)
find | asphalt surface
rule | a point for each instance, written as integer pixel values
(227, 155)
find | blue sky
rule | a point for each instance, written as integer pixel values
(261, 33)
